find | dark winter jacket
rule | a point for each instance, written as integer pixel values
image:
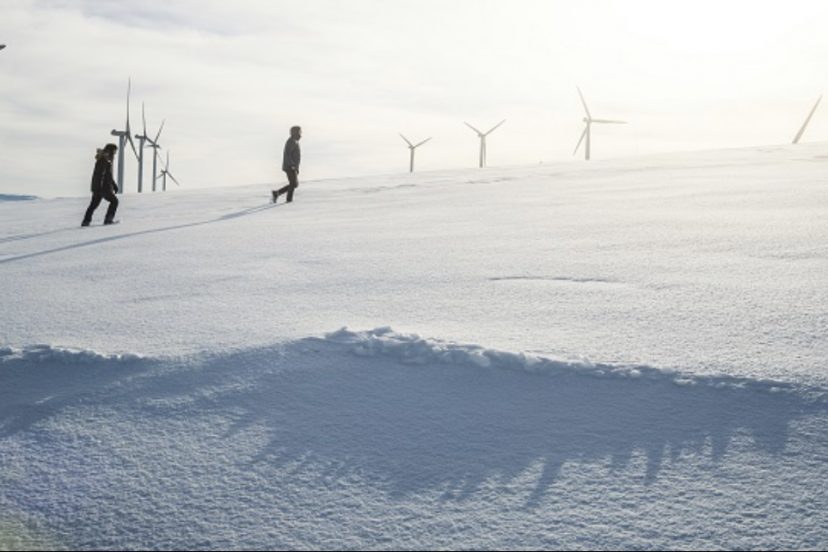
(102, 180)
(292, 156)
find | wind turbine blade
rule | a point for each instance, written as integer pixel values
(157, 136)
(167, 165)
(410, 145)
(423, 142)
(583, 135)
(471, 127)
(132, 145)
(128, 129)
(609, 121)
(805, 124)
(144, 118)
(129, 90)
(583, 101)
(173, 178)
(495, 127)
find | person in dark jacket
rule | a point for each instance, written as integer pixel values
(290, 164)
(103, 185)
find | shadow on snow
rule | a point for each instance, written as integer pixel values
(409, 429)
(230, 216)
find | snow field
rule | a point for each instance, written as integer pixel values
(629, 354)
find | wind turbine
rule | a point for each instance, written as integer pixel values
(411, 148)
(805, 124)
(153, 143)
(124, 136)
(142, 139)
(482, 136)
(165, 172)
(588, 129)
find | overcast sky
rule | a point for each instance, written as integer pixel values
(231, 78)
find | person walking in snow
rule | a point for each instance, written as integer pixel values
(290, 164)
(103, 185)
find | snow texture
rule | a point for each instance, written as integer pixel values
(624, 355)
(377, 440)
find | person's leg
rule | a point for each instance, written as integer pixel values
(294, 183)
(113, 206)
(288, 189)
(280, 191)
(96, 200)
(283, 189)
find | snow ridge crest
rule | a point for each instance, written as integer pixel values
(42, 353)
(413, 349)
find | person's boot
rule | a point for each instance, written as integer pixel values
(275, 195)
(85, 223)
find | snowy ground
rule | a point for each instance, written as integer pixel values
(626, 354)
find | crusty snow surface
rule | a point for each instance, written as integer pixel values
(625, 354)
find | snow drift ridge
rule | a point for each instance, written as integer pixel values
(413, 349)
(48, 353)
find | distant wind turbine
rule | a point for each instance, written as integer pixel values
(411, 148)
(588, 120)
(165, 172)
(153, 143)
(142, 139)
(805, 124)
(482, 136)
(124, 136)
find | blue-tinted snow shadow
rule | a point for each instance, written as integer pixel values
(17, 197)
(452, 428)
(110, 238)
(47, 381)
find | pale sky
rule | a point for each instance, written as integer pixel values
(232, 77)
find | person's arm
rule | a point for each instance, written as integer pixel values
(287, 156)
(98, 175)
(295, 157)
(110, 179)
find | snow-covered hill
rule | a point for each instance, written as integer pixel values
(622, 354)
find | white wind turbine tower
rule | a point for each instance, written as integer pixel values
(411, 148)
(124, 136)
(482, 136)
(805, 124)
(588, 120)
(142, 138)
(153, 143)
(165, 172)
